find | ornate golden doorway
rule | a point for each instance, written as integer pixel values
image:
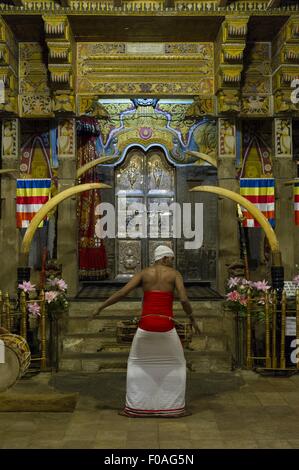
(144, 189)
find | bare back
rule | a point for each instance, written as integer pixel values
(159, 277)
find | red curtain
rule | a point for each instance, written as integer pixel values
(92, 253)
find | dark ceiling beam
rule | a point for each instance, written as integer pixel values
(274, 3)
(17, 3)
(65, 3)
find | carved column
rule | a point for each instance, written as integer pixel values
(284, 168)
(67, 229)
(285, 61)
(229, 51)
(228, 245)
(9, 236)
(61, 62)
(8, 69)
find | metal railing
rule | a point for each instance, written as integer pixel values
(273, 342)
(14, 317)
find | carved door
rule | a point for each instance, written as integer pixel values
(145, 188)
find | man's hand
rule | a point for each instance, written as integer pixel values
(97, 312)
(194, 326)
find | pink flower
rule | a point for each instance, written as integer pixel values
(233, 296)
(246, 282)
(61, 284)
(233, 281)
(296, 280)
(26, 286)
(52, 282)
(243, 300)
(261, 285)
(34, 309)
(51, 296)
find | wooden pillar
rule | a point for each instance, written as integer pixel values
(67, 227)
(9, 234)
(228, 240)
(284, 168)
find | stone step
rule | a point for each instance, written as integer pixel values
(133, 308)
(206, 323)
(96, 342)
(117, 361)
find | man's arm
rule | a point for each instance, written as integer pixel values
(117, 296)
(182, 293)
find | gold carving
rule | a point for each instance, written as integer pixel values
(165, 72)
(59, 50)
(227, 138)
(232, 52)
(283, 103)
(61, 73)
(283, 137)
(200, 107)
(10, 137)
(56, 26)
(36, 106)
(229, 101)
(256, 104)
(63, 103)
(66, 138)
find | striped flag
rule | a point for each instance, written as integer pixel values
(259, 191)
(296, 202)
(32, 194)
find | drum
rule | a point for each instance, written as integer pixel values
(17, 358)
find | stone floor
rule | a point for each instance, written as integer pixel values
(240, 410)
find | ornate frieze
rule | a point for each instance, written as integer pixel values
(35, 106)
(256, 105)
(154, 68)
(141, 7)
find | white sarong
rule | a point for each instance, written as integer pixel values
(156, 375)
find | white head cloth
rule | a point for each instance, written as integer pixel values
(162, 251)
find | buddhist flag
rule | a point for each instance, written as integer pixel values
(259, 191)
(31, 195)
(296, 202)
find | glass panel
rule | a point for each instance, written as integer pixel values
(129, 177)
(131, 220)
(160, 217)
(160, 175)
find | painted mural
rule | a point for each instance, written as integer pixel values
(170, 124)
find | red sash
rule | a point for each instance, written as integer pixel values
(157, 311)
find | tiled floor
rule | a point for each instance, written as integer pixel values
(262, 412)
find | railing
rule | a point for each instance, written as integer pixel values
(14, 317)
(276, 313)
